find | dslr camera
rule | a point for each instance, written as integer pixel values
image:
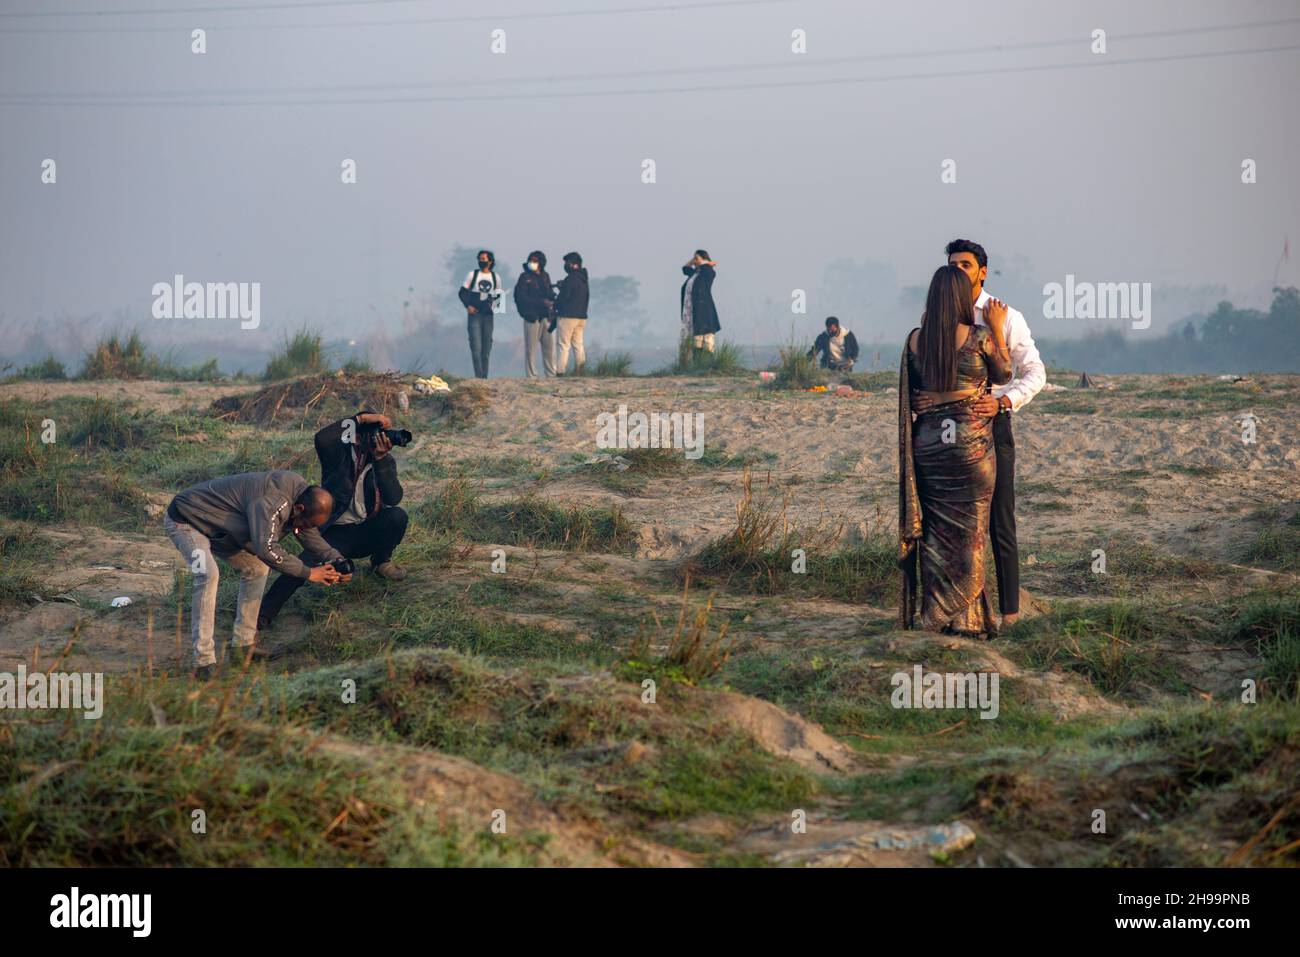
(369, 434)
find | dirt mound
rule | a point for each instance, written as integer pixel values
(461, 792)
(462, 405)
(781, 733)
(297, 398)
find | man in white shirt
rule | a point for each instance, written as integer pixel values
(1028, 375)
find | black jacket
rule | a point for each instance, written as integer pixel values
(822, 345)
(341, 462)
(574, 295)
(704, 315)
(530, 291)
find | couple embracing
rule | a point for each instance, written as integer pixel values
(964, 373)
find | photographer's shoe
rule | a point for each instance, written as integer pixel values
(391, 570)
(203, 673)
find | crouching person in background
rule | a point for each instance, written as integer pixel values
(838, 347)
(358, 471)
(241, 519)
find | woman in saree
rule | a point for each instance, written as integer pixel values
(946, 458)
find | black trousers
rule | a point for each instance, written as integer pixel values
(1002, 517)
(376, 537)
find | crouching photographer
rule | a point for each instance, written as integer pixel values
(357, 469)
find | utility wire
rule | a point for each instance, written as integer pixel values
(1097, 62)
(403, 21)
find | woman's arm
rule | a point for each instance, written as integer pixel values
(995, 348)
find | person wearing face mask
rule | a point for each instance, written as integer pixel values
(481, 295)
(535, 303)
(699, 315)
(571, 310)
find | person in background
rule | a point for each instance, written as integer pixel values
(838, 347)
(699, 315)
(571, 313)
(481, 295)
(536, 305)
(241, 519)
(358, 471)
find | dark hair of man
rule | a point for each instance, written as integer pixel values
(492, 260)
(947, 305)
(966, 246)
(831, 321)
(573, 259)
(315, 501)
(703, 254)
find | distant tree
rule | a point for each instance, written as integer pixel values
(456, 266)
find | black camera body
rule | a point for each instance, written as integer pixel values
(343, 566)
(370, 435)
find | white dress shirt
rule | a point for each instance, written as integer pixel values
(1028, 374)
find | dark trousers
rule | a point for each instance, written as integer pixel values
(376, 536)
(480, 340)
(1002, 517)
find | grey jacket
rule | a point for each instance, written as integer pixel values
(249, 512)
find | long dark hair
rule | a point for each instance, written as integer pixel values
(948, 304)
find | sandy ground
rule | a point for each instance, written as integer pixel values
(830, 459)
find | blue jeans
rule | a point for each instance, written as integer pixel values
(480, 341)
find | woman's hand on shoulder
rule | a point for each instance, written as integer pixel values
(995, 317)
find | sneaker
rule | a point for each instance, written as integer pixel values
(391, 570)
(203, 673)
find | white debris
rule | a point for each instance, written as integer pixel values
(120, 602)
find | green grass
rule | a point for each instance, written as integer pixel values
(726, 359)
(561, 736)
(1270, 625)
(764, 554)
(1277, 545)
(529, 521)
(122, 791)
(1110, 645)
(48, 369)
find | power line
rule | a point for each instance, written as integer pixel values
(1096, 63)
(404, 21)
(789, 63)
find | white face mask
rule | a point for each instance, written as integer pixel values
(534, 266)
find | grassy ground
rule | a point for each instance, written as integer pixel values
(589, 691)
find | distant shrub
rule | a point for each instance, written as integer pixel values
(48, 369)
(725, 359)
(116, 357)
(796, 369)
(612, 365)
(300, 355)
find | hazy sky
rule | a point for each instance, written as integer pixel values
(1113, 172)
